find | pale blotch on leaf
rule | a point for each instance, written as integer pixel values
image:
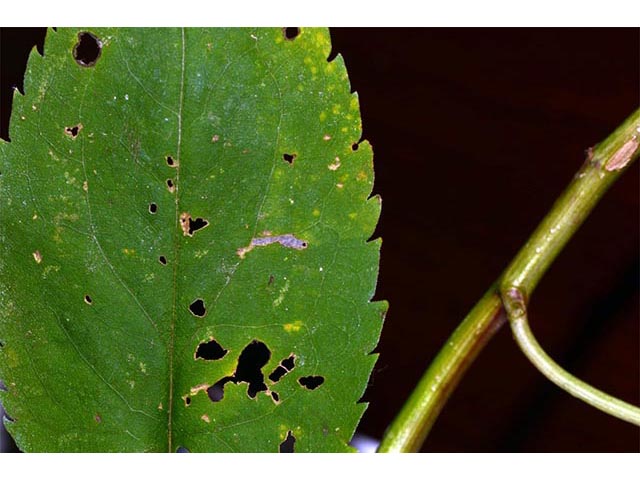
(287, 240)
(37, 256)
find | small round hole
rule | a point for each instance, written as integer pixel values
(153, 208)
(354, 146)
(162, 259)
(289, 158)
(88, 300)
(170, 185)
(170, 161)
(197, 308)
(87, 51)
(290, 33)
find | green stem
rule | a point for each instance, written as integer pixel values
(605, 163)
(517, 312)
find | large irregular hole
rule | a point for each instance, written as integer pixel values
(290, 33)
(197, 308)
(88, 49)
(311, 382)
(210, 350)
(288, 444)
(249, 370)
(289, 157)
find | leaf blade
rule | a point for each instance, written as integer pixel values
(214, 112)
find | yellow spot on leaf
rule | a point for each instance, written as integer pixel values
(293, 327)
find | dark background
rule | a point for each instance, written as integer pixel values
(475, 133)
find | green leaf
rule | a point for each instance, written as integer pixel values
(182, 218)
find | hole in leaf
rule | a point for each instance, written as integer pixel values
(190, 225)
(153, 208)
(278, 373)
(275, 396)
(170, 185)
(182, 449)
(288, 444)
(187, 400)
(88, 300)
(249, 370)
(281, 370)
(252, 359)
(87, 51)
(354, 146)
(290, 33)
(216, 391)
(289, 157)
(171, 162)
(311, 382)
(210, 350)
(197, 308)
(73, 131)
(197, 224)
(289, 363)
(162, 259)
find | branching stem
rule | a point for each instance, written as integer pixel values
(604, 164)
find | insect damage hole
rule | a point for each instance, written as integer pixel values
(197, 308)
(290, 33)
(153, 208)
(288, 444)
(170, 185)
(73, 131)
(281, 370)
(88, 49)
(210, 350)
(88, 300)
(162, 259)
(289, 157)
(171, 162)
(190, 225)
(311, 382)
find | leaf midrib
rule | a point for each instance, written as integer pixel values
(176, 251)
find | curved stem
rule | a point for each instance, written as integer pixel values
(517, 312)
(603, 166)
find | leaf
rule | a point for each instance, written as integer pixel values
(183, 244)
